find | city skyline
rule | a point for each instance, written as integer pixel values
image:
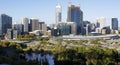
(45, 10)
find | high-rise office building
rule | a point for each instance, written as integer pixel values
(75, 14)
(5, 23)
(18, 27)
(58, 13)
(34, 24)
(63, 28)
(114, 24)
(43, 27)
(101, 22)
(72, 27)
(86, 28)
(25, 24)
(66, 28)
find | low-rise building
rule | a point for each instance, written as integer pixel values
(12, 34)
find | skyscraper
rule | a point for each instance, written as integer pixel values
(18, 27)
(58, 13)
(75, 14)
(114, 24)
(5, 23)
(25, 24)
(101, 21)
(43, 27)
(34, 24)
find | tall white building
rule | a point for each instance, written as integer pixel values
(101, 22)
(58, 13)
(26, 24)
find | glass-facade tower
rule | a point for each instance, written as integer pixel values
(75, 14)
(114, 24)
(5, 23)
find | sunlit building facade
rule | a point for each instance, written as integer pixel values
(58, 13)
(25, 24)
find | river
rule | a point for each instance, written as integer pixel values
(49, 58)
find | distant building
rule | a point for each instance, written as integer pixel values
(86, 28)
(26, 24)
(12, 34)
(63, 29)
(40, 30)
(97, 24)
(108, 31)
(15, 34)
(114, 24)
(9, 34)
(93, 27)
(5, 23)
(55, 31)
(34, 24)
(43, 27)
(72, 27)
(58, 13)
(30, 27)
(52, 25)
(98, 30)
(101, 22)
(75, 14)
(103, 31)
(18, 27)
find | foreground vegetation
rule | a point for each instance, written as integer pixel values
(31, 37)
(86, 56)
(63, 55)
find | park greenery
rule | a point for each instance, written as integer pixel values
(31, 37)
(14, 54)
(86, 56)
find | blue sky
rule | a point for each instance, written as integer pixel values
(45, 9)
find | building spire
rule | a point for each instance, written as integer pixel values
(69, 2)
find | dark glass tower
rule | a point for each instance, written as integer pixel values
(75, 14)
(5, 23)
(114, 24)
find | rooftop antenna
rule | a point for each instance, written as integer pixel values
(69, 2)
(79, 6)
(79, 3)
